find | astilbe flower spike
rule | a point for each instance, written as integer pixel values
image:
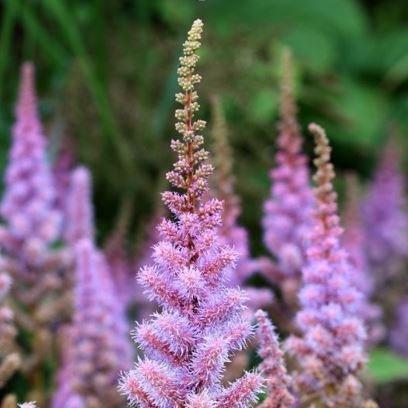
(96, 348)
(273, 366)
(354, 242)
(29, 199)
(31, 228)
(329, 350)
(231, 232)
(287, 211)
(79, 211)
(187, 345)
(385, 217)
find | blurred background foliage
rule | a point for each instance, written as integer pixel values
(107, 77)
(106, 73)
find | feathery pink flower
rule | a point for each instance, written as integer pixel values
(287, 212)
(273, 366)
(79, 212)
(385, 218)
(187, 345)
(329, 351)
(96, 344)
(28, 405)
(28, 205)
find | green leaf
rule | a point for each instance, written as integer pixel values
(363, 110)
(263, 106)
(386, 366)
(313, 47)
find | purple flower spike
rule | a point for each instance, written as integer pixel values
(385, 218)
(79, 211)
(329, 352)
(354, 241)
(272, 366)
(287, 212)
(96, 345)
(28, 205)
(201, 323)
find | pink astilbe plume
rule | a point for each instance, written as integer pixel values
(287, 211)
(201, 323)
(32, 225)
(79, 212)
(28, 204)
(385, 218)
(354, 242)
(231, 232)
(329, 351)
(96, 347)
(28, 405)
(273, 366)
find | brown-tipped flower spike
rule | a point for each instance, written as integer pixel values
(201, 324)
(329, 350)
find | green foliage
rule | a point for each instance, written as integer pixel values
(385, 366)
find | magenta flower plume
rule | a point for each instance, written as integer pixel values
(354, 242)
(96, 344)
(28, 205)
(399, 332)
(273, 366)
(385, 218)
(287, 212)
(187, 345)
(79, 212)
(329, 351)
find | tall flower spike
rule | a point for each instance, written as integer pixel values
(287, 211)
(385, 218)
(79, 212)
(32, 225)
(28, 205)
(96, 348)
(354, 242)
(187, 345)
(330, 350)
(231, 232)
(273, 366)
